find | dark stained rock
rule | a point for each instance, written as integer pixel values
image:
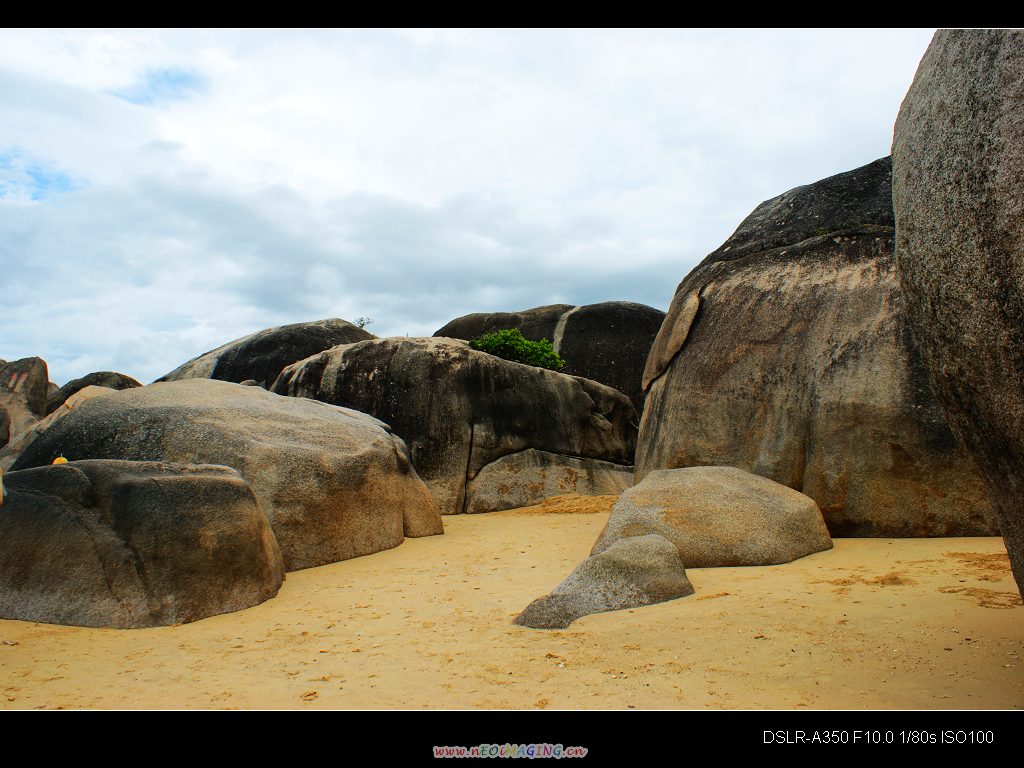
(958, 193)
(841, 202)
(787, 353)
(528, 477)
(632, 572)
(261, 356)
(23, 387)
(606, 342)
(5, 427)
(108, 379)
(132, 544)
(535, 324)
(334, 483)
(459, 410)
(719, 516)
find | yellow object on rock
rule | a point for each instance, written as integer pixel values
(60, 460)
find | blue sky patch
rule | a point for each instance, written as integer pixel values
(27, 178)
(163, 85)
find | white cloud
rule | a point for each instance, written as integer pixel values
(409, 176)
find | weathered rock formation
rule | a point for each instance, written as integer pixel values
(958, 193)
(334, 483)
(528, 477)
(632, 572)
(606, 342)
(132, 544)
(18, 443)
(787, 353)
(23, 389)
(719, 516)
(261, 356)
(459, 410)
(108, 379)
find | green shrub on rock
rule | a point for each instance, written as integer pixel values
(511, 345)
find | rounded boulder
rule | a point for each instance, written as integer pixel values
(132, 544)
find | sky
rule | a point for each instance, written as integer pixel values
(163, 192)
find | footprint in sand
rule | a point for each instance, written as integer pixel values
(983, 566)
(987, 598)
(892, 579)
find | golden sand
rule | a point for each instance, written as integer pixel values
(870, 624)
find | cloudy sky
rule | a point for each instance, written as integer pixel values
(163, 192)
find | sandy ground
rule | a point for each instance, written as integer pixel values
(871, 624)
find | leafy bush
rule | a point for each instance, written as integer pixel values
(511, 345)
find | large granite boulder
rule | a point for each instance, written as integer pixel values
(261, 356)
(787, 353)
(334, 483)
(528, 477)
(459, 409)
(718, 516)
(18, 443)
(535, 324)
(106, 379)
(958, 193)
(606, 342)
(23, 388)
(132, 544)
(632, 572)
